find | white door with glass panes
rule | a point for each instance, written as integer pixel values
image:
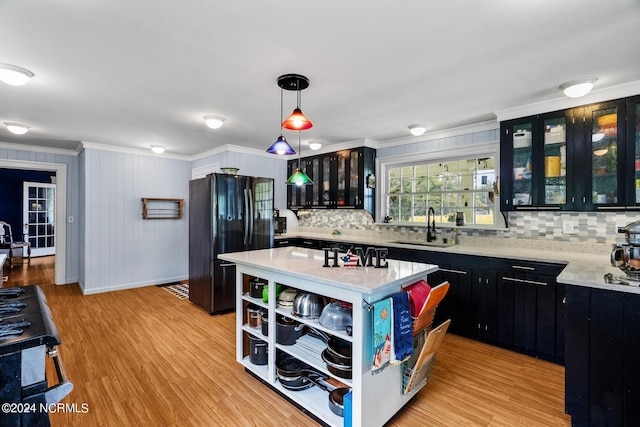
(39, 217)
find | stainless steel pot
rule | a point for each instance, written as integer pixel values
(626, 256)
(308, 305)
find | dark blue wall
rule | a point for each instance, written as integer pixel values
(11, 192)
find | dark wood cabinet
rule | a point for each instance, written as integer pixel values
(602, 349)
(340, 180)
(530, 313)
(632, 183)
(573, 159)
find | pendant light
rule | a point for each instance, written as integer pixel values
(297, 120)
(281, 146)
(298, 177)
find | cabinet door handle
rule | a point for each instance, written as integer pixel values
(283, 242)
(535, 282)
(453, 271)
(522, 267)
(307, 242)
(529, 282)
(227, 264)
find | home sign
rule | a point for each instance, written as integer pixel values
(358, 259)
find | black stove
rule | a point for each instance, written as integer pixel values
(27, 337)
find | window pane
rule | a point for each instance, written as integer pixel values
(449, 186)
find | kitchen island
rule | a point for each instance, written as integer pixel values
(375, 398)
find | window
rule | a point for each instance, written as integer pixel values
(446, 185)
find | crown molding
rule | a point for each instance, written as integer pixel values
(439, 134)
(38, 149)
(105, 147)
(563, 103)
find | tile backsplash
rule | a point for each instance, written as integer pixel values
(592, 231)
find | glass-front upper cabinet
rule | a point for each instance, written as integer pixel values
(604, 136)
(354, 179)
(517, 155)
(633, 151)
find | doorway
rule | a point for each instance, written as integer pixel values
(39, 208)
(60, 230)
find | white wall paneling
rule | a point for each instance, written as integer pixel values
(122, 250)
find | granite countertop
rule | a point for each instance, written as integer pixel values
(308, 263)
(582, 269)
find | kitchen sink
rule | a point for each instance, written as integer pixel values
(439, 244)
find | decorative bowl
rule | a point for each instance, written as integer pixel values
(229, 171)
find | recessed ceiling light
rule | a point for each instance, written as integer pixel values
(417, 130)
(14, 75)
(315, 145)
(579, 87)
(158, 149)
(17, 128)
(214, 122)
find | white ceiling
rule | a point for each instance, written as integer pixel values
(142, 72)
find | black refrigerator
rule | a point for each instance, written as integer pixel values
(227, 213)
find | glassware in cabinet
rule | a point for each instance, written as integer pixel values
(555, 161)
(522, 166)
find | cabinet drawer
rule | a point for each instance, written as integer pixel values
(528, 267)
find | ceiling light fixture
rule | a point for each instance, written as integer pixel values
(158, 149)
(214, 122)
(14, 75)
(579, 87)
(298, 177)
(315, 146)
(17, 128)
(417, 130)
(297, 120)
(281, 146)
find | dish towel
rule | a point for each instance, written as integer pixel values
(381, 335)
(402, 333)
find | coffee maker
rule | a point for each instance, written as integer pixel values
(626, 256)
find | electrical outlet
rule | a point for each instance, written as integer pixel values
(567, 227)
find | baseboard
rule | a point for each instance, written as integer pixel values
(91, 291)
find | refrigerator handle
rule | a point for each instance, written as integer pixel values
(246, 215)
(251, 219)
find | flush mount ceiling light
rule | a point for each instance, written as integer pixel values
(315, 146)
(417, 130)
(158, 149)
(214, 122)
(14, 75)
(281, 146)
(579, 87)
(297, 120)
(17, 128)
(298, 177)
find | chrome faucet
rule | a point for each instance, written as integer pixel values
(431, 225)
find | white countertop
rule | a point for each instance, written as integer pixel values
(308, 263)
(582, 269)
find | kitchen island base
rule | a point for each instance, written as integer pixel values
(375, 398)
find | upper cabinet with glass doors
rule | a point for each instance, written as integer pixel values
(633, 152)
(341, 179)
(570, 160)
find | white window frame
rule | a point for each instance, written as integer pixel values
(383, 164)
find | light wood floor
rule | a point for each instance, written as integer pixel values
(143, 357)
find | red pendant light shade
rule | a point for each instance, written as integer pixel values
(297, 121)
